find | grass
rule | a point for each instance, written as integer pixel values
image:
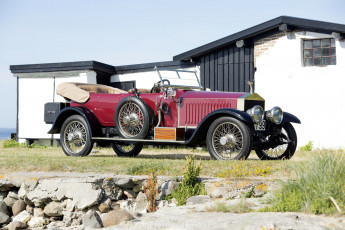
(318, 187)
(241, 207)
(166, 162)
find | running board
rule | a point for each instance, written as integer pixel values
(137, 140)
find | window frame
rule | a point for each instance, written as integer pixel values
(321, 48)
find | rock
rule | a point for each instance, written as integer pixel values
(115, 217)
(141, 202)
(83, 194)
(162, 203)
(23, 191)
(3, 195)
(53, 209)
(38, 197)
(68, 205)
(167, 188)
(218, 193)
(67, 218)
(130, 194)
(77, 218)
(136, 188)
(92, 220)
(201, 199)
(9, 201)
(38, 212)
(29, 209)
(13, 194)
(3, 208)
(126, 204)
(18, 206)
(111, 190)
(37, 222)
(125, 183)
(260, 190)
(23, 216)
(4, 218)
(105, 206)
(17, 225)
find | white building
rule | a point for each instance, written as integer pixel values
(297, 64)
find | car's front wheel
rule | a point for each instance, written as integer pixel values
(126, 150)
(75, 137)
(286, 143)
(229, 139)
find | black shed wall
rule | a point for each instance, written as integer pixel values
(228, 69)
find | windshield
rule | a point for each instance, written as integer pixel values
(179, 78)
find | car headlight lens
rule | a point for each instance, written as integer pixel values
(257, 113)
(275, 115)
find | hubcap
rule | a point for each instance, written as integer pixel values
(228, 140)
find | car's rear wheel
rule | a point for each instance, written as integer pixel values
(126, 150)
(132, 118)
(287, 147)
(229, 139)
(75, 136)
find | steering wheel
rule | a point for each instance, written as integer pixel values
(166, 80)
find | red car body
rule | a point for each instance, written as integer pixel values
(229, 124)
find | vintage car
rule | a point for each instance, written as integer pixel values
(230, 124)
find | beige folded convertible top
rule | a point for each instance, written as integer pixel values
(80, 92)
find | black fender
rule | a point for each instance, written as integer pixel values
(289, 118)
(200, 132)
(90, 118)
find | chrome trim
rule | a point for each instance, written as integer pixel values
(182, 87)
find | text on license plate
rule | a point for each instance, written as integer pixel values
(261, 126)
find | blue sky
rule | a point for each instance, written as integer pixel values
(127, 32)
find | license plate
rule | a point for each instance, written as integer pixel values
(261, 126)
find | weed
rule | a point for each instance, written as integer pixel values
(190, 185)
(151, 191)
(318, 187)
(144, 168)
(307, 148)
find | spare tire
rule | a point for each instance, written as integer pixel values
(132, 118)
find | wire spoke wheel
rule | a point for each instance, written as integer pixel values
(228, 139)
(286, 143)
(126, 150)
(280, 149)
(75, 137)
(131, 119)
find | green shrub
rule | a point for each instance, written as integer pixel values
(308, 147)
(11, 143)
(317, 182)
(190, 185)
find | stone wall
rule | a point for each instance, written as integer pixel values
(80, 200)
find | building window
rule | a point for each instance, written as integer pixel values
(319, 52)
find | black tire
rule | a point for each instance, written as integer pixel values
(284, 151)
(132, 118)
(126, 150)
(229, 139)
(75, 137)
